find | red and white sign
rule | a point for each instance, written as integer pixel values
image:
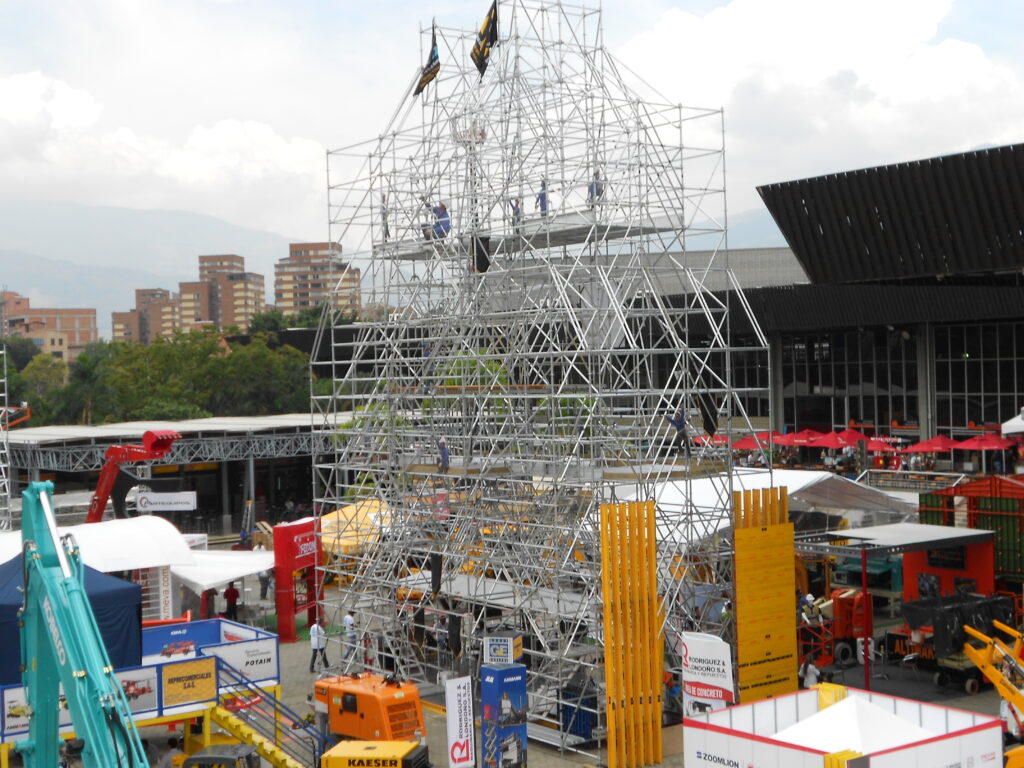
(458, 700)
(707, 673)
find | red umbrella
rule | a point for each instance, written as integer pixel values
(803, 437)
(852, 436)
(984, 443)
(831, 440)
(876, 446)
(751, 442)
(717, 439)
(937, 444)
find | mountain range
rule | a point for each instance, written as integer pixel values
(70, 255)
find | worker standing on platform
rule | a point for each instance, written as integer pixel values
(517, 216)
(384, 217)
(444, 458)
(348, 628)
(318, 644)
(679, 422)
(542, 202)
(231, 601)
(595, 190)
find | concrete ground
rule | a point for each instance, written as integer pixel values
(297, 685)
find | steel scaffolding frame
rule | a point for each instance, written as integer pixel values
(525, 366)
(5, 455)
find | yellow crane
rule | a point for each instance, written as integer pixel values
(1002, 665)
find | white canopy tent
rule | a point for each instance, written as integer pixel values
(853, 723)
(119, 545)
(215, 568)
(808, 490)
(1014, 426)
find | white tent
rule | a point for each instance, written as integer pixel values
(214, 568)
(1014, 426)
(853, 723)
(823, 491)
(119, 545)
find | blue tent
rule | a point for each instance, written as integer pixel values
(116, 603)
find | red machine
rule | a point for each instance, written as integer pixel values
(155, 445)
(14, 414)
(133, 689)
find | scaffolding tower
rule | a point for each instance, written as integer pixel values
(5, 453)
(534, 342)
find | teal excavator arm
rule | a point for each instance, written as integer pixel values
(61, 643)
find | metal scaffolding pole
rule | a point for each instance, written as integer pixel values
(515, 372)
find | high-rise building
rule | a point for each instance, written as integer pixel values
(196, 304)
(235, 295)
(156, 316)
(307, 277)
(63, 333)
(224, 296)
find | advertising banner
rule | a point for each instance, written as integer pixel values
(149, 501)
(189, 682)
(503, 648)
(256, 659)
(140, 688)
(707, 673)
(504, 710)
(458, 701)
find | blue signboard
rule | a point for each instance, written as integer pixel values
(504, 708)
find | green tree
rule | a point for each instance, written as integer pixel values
(257, 380)
(43, 377)
(88, 396)
(19, 351)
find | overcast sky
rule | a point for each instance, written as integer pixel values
(227, 108)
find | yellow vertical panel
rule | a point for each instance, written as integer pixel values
(765, 584)
(620, 641)
(784, 502)
(655, 622)
(737, 510)
(609, 630)
(644, 646)
(636, 633)
(628, 690)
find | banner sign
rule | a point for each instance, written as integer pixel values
(458, 701)
(503, 648)
(707, 673)
(150, 501)
(256, 659)
(189, 682)
(504, 714)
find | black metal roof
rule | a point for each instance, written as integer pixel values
(951, 215)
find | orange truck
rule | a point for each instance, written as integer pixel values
(369, 707)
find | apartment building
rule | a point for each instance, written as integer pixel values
(63, 333)
(224, 296)
(306, 278)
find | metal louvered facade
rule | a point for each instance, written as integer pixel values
(953, 215)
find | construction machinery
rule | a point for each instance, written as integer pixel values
(1001, 664)
(368, 707)
(61, 645)
(156, 444)
(12, 415)
(224, 756)
(376, 754)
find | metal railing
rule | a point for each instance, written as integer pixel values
(268, 716)
(906, 479)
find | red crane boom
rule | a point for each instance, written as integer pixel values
(155, 445)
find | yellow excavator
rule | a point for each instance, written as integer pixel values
(1003, 666)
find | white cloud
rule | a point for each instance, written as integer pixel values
(815, 86)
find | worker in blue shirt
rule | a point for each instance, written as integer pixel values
(595, 190)
(679, 422)
(541, 202)
(442, 222)
(444, 458)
